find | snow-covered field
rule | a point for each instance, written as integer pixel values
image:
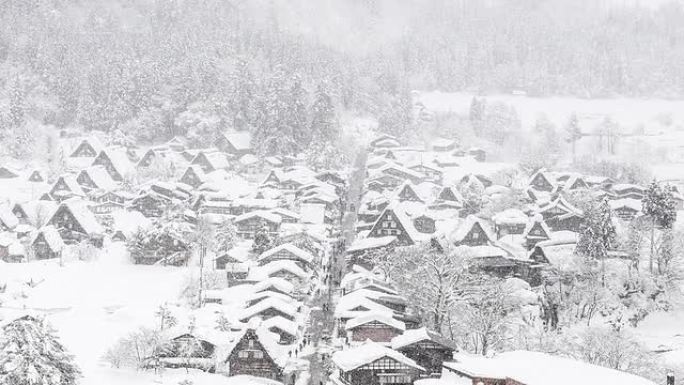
(92, 304)
(625, 111)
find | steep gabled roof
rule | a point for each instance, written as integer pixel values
(290, 248)
(413, 336)
(268, 216)
(380, 317)
(467, 225)
(368, 353)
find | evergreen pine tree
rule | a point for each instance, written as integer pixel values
(243, 97)
(477, 114)
(323, 125)
(658, 205)
(262, 241)
(574, 133)
(30, 353)
(17, 103)
(297, 115)
(599, 236)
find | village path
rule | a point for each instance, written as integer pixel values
(321, 320)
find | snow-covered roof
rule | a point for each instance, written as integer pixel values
(383, 318)
(52, 238)
(277, 283)
(83, 215)
(464, 228)
(312, 213)
(537, 219)
(7, 217)
(100, 177)
(69, 180)
(350, 359)
(120, 161)
(510, 217)
(248, 159)
(240, 140)
(360, 244)
(442, 142)
(631, 203)
(268, 303)
(276, 266)
(289, 247)
(412, 336)
(283, 212)
(271, 217)
(282, 324)
(535, 368)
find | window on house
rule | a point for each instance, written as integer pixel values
(243, 354)
(476, 235)
(251, 344)
(258, 354)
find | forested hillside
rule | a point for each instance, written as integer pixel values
(153, 69)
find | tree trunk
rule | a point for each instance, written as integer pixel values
(650, 259)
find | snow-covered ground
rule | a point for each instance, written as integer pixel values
(92, 304)
(628, 112)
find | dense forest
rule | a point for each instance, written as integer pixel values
(155, 68)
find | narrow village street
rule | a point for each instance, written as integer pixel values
(319, 330)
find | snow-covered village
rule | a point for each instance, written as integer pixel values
(341, 192)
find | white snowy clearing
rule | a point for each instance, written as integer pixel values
(92, 304)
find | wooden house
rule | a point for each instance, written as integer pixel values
(189, 351)
(626, 208)
(7, 173)
(38, 176)
(255, 353)
(427, 348)
(177, 143)
(561, 215)
(211, 161)
(34, 213)
(377, 327)
(433, 173)
(151, 204)
(47, 243)
(288, 252)
(542, 181)
(535, 232)
(8, 221)
(478, 154)
(95, 178)
(407, 192)
(628, 191)
(75, 223)
(285, 269)
(116, 162)
(66, 186)
(476, 178)
(385, 141)
(402, 173)
(193, 176)
(510, 222)
(374, 364)
(269, 308)
(331, 177)
(394, 222)
(237, 143)
(287, 330)
(249, 164)
(248, 224)
(307, 241)
(443, 145)
(472, 232)
(88, 148)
